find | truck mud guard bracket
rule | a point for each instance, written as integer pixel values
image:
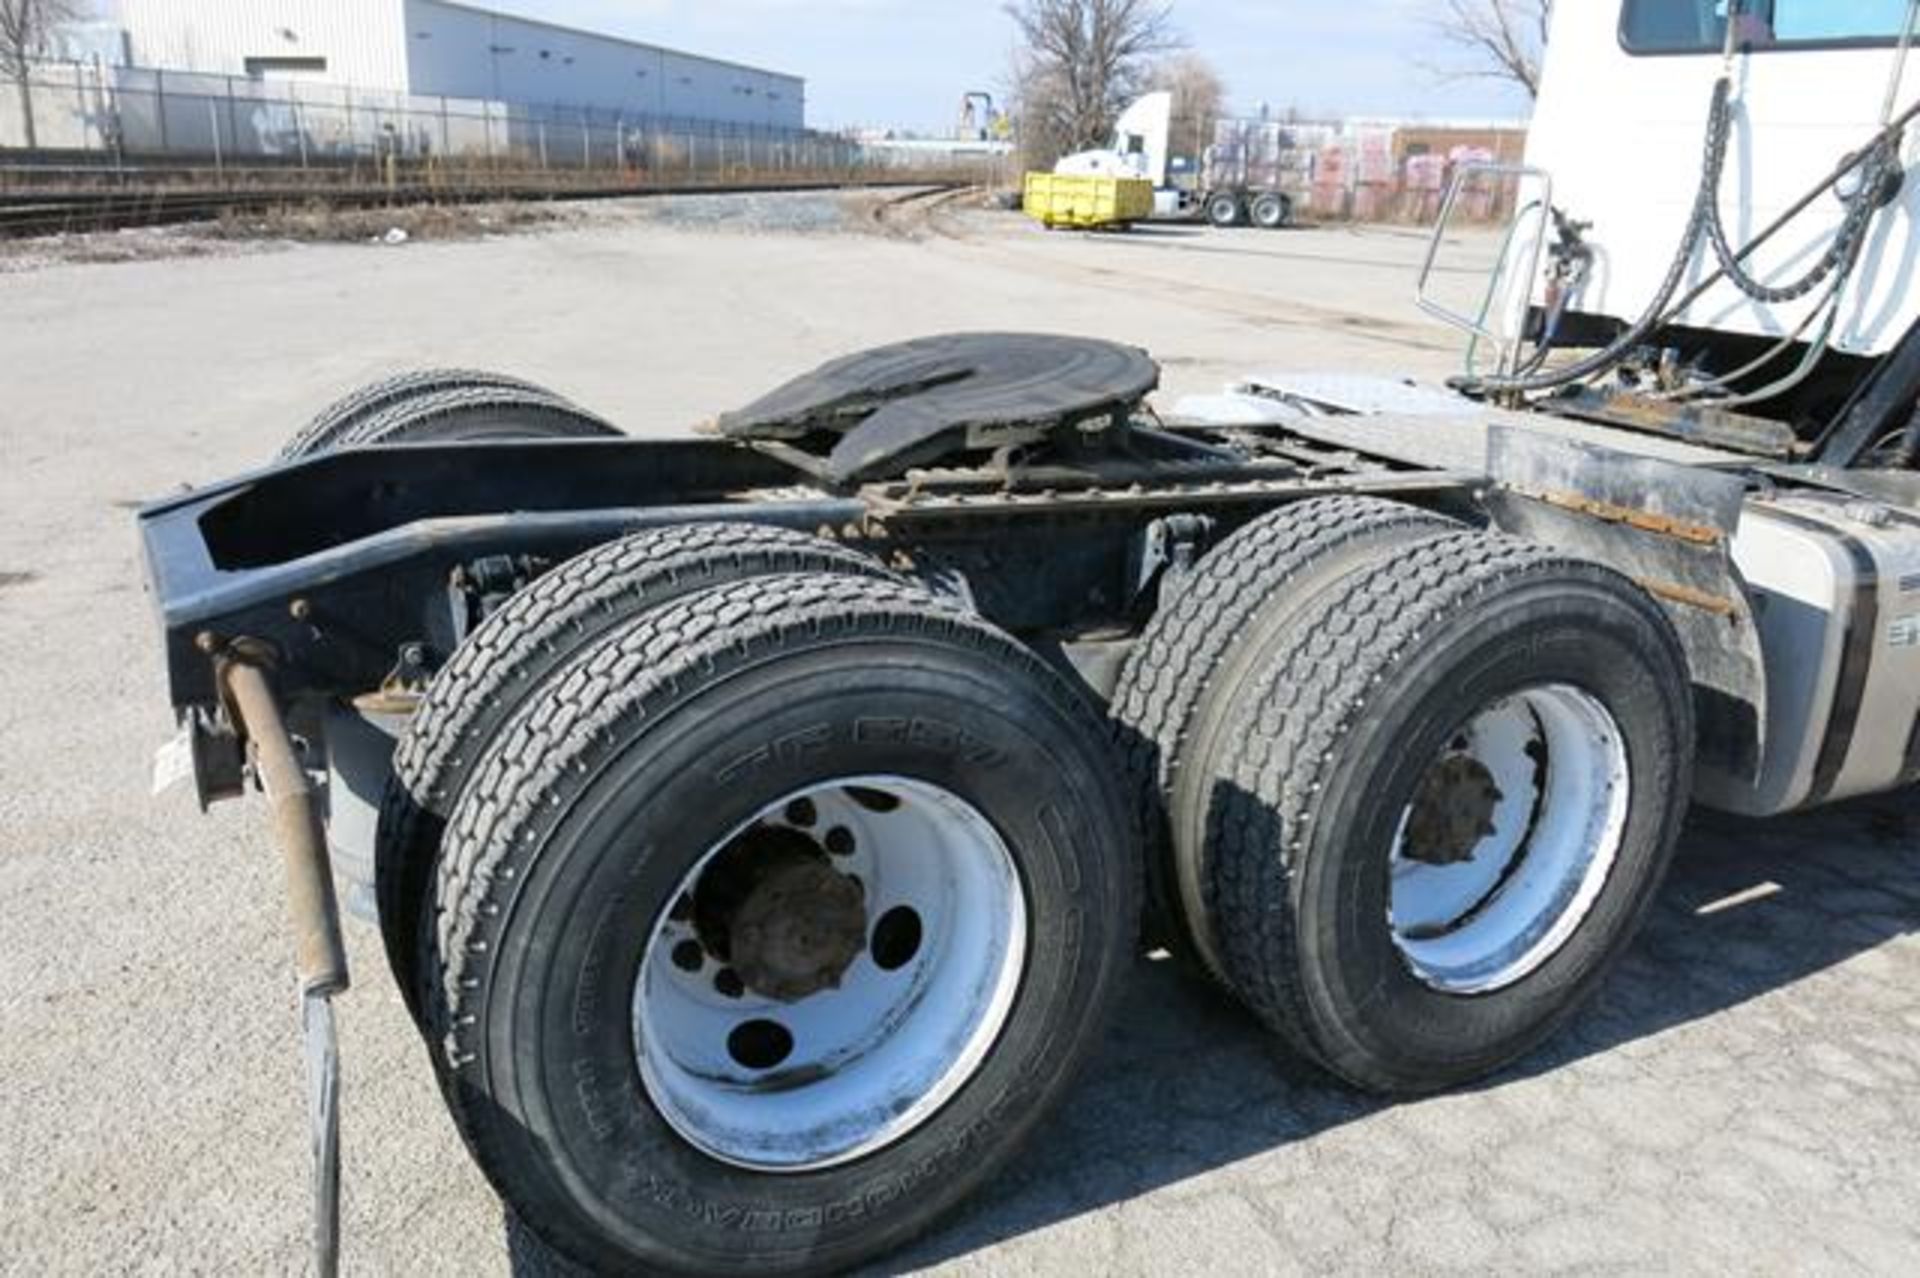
(1670, 528)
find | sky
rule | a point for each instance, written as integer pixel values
(906, 63)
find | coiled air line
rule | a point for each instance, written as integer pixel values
(1878, 162)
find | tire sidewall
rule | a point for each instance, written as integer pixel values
(557, 1020)
(411, 827)
(1359, 988)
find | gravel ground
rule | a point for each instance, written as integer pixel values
(771, 213)
(762, 213)
(1744, 1097)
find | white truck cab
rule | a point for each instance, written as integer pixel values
(1620, 125)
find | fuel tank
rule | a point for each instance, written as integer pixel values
(1835, 585)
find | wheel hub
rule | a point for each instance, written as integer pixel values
(830, 973)
(773, 906)
(1452, 812)
(1508, 839)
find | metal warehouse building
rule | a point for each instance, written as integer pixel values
(433, 47)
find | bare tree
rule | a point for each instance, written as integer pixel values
(1199, 98)
(1499, 39)
(25, 28)
(1079, 63)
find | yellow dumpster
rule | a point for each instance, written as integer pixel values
(1058, 199)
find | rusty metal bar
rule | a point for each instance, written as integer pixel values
(1692, 598)
(1632, 516)
(320, 955)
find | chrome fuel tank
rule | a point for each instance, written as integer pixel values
(1835, 584)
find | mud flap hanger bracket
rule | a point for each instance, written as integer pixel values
(242, 672)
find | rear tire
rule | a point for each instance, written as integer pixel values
(473, 413)
(1444, 810)
(1271, 211)
(344, 414)
(1223, 209)
(513, 652)
(1190, 667)
(564, 873)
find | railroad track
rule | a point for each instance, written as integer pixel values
(35, 213)
(918, 206)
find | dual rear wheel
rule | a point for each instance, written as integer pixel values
(769, 900)
(1224, 209)
(756, 903)
(1268, 210)
(1416, 792)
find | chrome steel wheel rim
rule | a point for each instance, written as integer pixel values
(849, 1068)
(1509, 840)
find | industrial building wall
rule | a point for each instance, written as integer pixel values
(471, 53)
(353, 42)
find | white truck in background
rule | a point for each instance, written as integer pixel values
(1232, 187)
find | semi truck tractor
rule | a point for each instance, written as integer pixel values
(1236, 181)
(760, 824)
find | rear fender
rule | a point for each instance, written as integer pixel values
(1670, 528)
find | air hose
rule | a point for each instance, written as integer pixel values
(1874, 168)
(1876, 164)
(1637, 332)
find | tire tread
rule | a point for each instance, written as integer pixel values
(1173, 669)
(1287, 739)
(546, 416)
(321, 433)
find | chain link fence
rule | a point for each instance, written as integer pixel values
(117, 117)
